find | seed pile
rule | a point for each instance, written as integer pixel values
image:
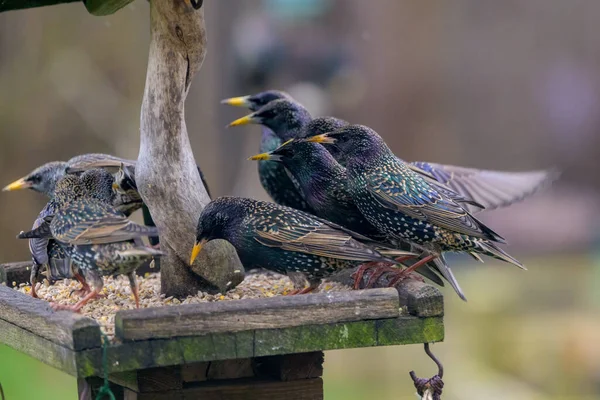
(117, 294)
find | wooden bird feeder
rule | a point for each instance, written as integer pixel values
(268, 348)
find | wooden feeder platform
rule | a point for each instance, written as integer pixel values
(267, 348)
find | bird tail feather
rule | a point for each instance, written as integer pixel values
(491, 250)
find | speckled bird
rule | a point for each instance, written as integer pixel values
(103, 240)
(272, 175)
(283, 239)
(287, 119)
(404, 205)
(324, 184)
(49, 257)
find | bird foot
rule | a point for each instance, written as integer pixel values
(155, 246)
(377, 273)
(295, 292)
(360, 273)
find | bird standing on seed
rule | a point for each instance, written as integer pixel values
(324, 184)
(103, 240)
(283, 240)
(403, 205)
(286, 119)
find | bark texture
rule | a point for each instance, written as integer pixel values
(166, 172)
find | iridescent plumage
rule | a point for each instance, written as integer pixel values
(283, 239)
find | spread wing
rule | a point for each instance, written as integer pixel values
(91, 224)
(96, 160)
(395, 186)
(491, 189)
(307, 235)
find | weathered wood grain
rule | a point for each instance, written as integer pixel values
(249, 314)
(142, 354)
(307, 389)
(166, 172)
(64, 328)
(421, 299)
(17, 272)
(37, 347)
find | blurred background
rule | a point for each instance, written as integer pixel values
(499, 85)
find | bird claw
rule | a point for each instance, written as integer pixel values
(295, 292)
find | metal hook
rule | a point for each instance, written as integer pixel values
(434, 385)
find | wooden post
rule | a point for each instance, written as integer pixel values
(166, 172)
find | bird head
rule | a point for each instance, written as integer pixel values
(284, 117)
(215, 222)
(42, 179)
(255, 101)
(349, 141)
(297, 153)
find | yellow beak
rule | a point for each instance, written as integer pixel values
(241, 101)
(321, 139)
(248, 119)
(196, 250)
(260, 157)
(115, 186)
(16, 185)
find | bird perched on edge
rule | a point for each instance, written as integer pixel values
(103, 240)
(404, 205)
(324, 184)
(283, 119)
(283, 239)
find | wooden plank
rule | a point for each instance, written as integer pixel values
(7, 5)
(37, 347)
(258, 343)
(17, 272)
(307, 389)
(64, 328)
(195, 372)
(265, 313)
(421, 299)
(290, 367)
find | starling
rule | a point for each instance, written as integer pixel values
(324, 185)
(49, 257)
(42, 179)
(103, 241)
(283, 239)
(272, 175)
(404, 205)
(286, 119)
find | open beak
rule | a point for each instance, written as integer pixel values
(265, 157)
(196, 250)
(242, 101)
(324, 138)
(248, 119)
(16, 185)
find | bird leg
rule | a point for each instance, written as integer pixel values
(85, 288)
(77, 307)
(312, 285)
(33, 291)
(134, 288)
(405, 272)
(379, 271)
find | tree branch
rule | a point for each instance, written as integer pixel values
(166, 172)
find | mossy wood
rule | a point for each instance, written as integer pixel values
(71, 342)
